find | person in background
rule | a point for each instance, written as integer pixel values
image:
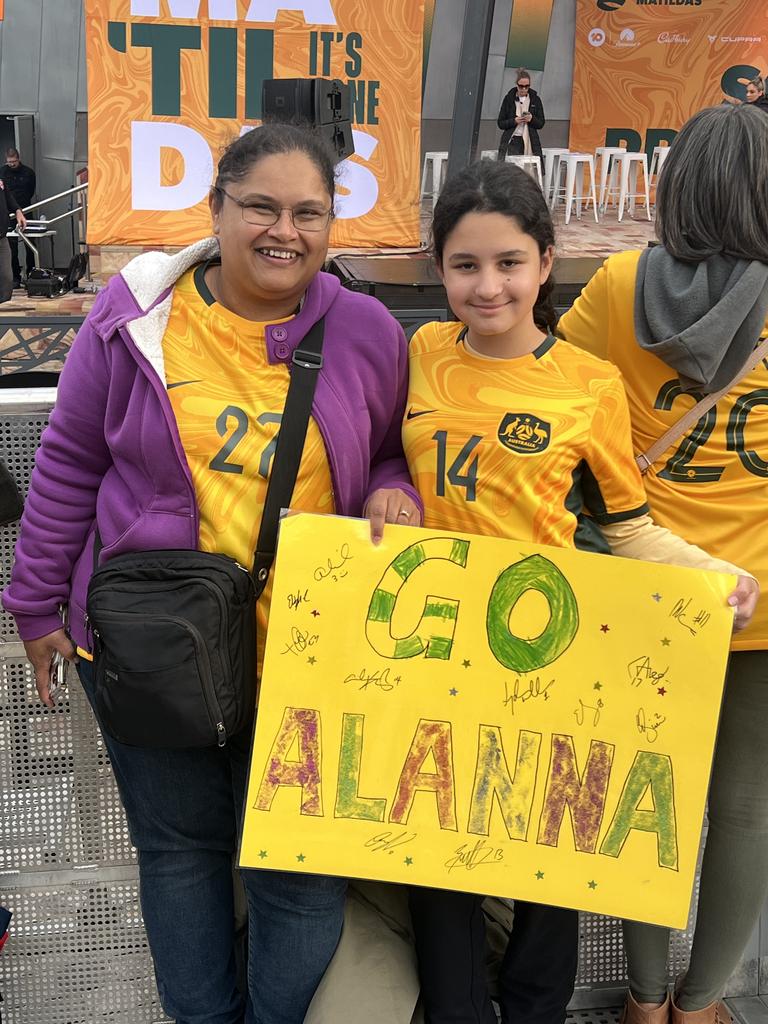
(162, 434)
(756, 93)
(22, 182)
(576, 485)
(521, 118)
(8, 205)
(679, 320)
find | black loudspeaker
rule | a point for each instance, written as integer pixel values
(317, 100)
(323, 103)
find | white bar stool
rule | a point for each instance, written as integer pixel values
(530, 164)
(433, 164)
(625, 166)
(606, 154)
(489, 154)
(551, 160)
(660, 154)
(573, 191)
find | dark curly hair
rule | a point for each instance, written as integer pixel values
(268, 140)
(491, 186)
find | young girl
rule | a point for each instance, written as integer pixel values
(513, 434)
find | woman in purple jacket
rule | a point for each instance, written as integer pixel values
(162, 437)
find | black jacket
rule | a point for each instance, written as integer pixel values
(506, 120)
(21, 181)
(761, 103)
(8, 205)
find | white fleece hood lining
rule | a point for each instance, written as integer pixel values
(147, 277)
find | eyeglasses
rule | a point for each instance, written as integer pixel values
(521, 86)
(305, 218)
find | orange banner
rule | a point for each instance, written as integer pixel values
(170, 82)
(642, 69)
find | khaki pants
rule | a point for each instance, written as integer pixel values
(373, 977)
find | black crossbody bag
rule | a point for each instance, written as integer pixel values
(174, 631)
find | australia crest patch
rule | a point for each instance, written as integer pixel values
(524, 433)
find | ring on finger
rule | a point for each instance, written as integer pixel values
(404, 512)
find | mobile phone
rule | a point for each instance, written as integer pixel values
(57, 678)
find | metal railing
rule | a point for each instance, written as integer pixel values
(41, 228)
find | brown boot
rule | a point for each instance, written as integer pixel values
(715, 1013)
(635, 1014)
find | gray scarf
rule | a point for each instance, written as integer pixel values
(702, 319)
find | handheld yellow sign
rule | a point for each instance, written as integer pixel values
(471, 713)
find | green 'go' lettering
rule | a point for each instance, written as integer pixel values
(433, 635)
(515, 653)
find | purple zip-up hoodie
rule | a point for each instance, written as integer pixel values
(112, 455)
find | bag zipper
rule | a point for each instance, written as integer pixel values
(209, 694)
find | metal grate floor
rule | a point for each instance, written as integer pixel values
(606, 1015)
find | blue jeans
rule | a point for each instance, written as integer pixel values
(184, 809)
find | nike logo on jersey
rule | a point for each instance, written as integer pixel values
(181, 383)
(411, 415)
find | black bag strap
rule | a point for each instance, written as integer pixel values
(306, 365)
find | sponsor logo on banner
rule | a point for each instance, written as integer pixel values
(673, 38)
(712, 39)
(627, 38)
(524, 433)
(616, 5)
(596, 37)
(739, 39)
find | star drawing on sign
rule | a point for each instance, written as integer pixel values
(315, 612)
(592, 884)
(656, 597)
(312, 659)
(300, 858)
(661, 691)
(539, 875)
(665, 642)
(598, 686)
(408, 861)
(466, 663)
(604, 628)
(262, 854)
(453, 691)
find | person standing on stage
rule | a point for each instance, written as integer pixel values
(22, 182)
(521, 118)
(8, 205)
(756, 93)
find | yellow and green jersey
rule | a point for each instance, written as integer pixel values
(518, 447)
(711, 486)
(228, 400)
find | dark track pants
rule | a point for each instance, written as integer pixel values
(537, 974)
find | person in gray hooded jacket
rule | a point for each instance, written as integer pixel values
(681, 320)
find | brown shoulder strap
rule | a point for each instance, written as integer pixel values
(648, 457)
